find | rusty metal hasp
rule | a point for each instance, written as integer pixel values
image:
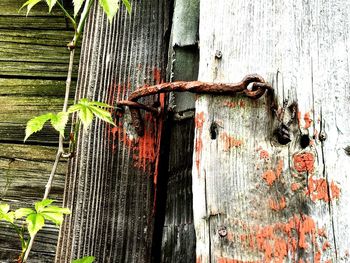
(253, 86)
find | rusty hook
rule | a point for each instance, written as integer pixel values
(253, 86)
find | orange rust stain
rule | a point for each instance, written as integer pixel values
(269, 176)
(307, 120)
(199, 122)
(278, 205)
(264, 154)
(231, 260)
(299, 117)
(230, 141)
(295, 186)
(304, 162)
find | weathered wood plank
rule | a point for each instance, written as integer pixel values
(9, 8)
(178, 242)
(33, 56)
(23, 174)
(277, 203)
(110, 187)
(33, 87)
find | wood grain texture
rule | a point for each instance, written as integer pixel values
(33, 68)
(110, 186)
(273, 203)
(23, 174)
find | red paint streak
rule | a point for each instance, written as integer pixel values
(147, 145)
(304, 162)
(278, 205)
(231, 260)
(269, 176)
(157, 75)
(230, 141)
(307, 120)
(317, 189)
(295, 186)
(199, 122)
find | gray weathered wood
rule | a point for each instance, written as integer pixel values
(302, 48)
(33, 65)
(110, 185)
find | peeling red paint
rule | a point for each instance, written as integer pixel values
(230, 141)
(264, 154)
(231, 260)
(304, 162)
(295, 186)
(307, 120)
(199, 122)
(234, 104)
(326, 245)
(278, 205)
(269, 176)
(335, 191)
(278, 240)
(317, 189)
(279, 168)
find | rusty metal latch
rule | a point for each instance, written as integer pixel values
(253, 86)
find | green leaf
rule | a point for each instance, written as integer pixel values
(88, 109)
(29, 4)
(4, 208)
(54, 214)
(110, 7)
(39, 206)
(36, 124)
(35, 223)
(22, 212)
(127, 6)
(74, 108)
(77, 6)
(88, 259)
(86, 116)
(5, 214)
(100, 104)
(59, 122)
(51, 4)
(102, 114)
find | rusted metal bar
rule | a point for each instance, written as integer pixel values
(253, 86)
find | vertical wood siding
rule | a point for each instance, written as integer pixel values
(110, 186)
(274, 203)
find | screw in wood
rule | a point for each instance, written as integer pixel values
(218, 54)
(222, 231)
